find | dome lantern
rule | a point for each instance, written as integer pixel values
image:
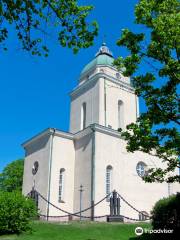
(103, 57)
(104, 50)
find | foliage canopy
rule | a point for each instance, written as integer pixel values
(156, 131)
(11, 178)
(16, 211)
(33, 21)
(166, 213)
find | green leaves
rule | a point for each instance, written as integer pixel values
(130, 40)
(15, 212)
(33, 19)
(11, 177)
(166, 214)
(156, 131)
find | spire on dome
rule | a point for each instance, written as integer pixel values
(104, 50)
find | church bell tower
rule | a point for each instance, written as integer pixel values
(103, 95)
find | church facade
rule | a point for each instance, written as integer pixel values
(92, 153)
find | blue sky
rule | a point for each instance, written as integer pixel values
(34, 91)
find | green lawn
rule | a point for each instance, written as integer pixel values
(79, 231)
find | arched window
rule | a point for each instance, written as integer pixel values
(120, 114)
(108, 180)
(83, 116)
(61, 184)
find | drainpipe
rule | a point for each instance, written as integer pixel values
(92, 172)
(105, 102)
(137, 106)
(50, 167)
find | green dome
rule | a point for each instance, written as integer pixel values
(103, 57)
(99, 60)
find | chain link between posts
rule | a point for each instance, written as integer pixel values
(76, 214)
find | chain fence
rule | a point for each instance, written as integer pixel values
(76, 214)
(140, 212)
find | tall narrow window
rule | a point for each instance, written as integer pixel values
(83, 116)
(120, 114)
(108, 180)
(61, 184)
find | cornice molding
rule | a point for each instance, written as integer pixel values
(88, 83)
(48, 132)
(106, 130)
(94, 68)
(36, 137)
(97, 128)
(76, 136)
(82, 133)
(63, 134)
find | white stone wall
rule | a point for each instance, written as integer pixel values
(114, 93)
(111, 150)
(76, 158)
(37, 151)
(82, 171)
(102, 96)
(91, 97)
(63, 156)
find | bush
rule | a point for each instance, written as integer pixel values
(166, 213)
(15, 212)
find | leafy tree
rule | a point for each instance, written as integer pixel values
(33, 19)
(166, 213)
(16, 211)
(11, 178)
(158, 48)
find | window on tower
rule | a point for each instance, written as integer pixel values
(120, 114)
(108, 180)
(83, 116)
(61, 184)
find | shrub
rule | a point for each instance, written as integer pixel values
(15, 212)
(166, 213)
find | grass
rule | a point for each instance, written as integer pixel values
(78, 231)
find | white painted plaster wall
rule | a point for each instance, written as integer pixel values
(37, 151)
(102, 95)
(63, 156)
(82, 172)
(111, 151)
(91, 97)
(114, 93)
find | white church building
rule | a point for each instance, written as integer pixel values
(93, 153)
